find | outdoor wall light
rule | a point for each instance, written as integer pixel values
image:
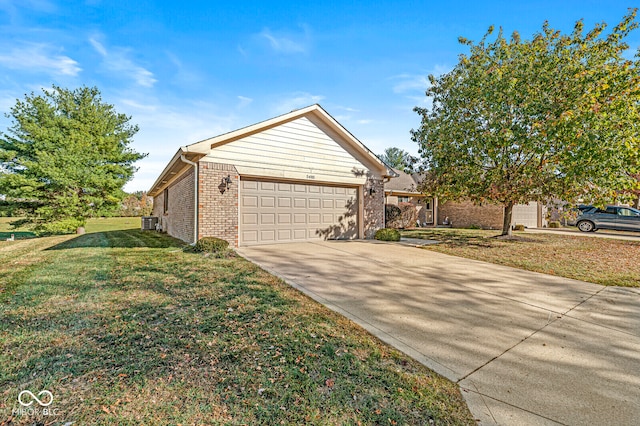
(224, 184)
(369, 187)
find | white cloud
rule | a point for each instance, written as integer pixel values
(184, 75)
(244, 101)
(286, 42)
(365, 121)
(349, 109)
(295, 101)
(410, 83)
(416, 82)
(39, 58)
(116, 60)
(98, 46)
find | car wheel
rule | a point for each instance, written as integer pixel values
(586, 226)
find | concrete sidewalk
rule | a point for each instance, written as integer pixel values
(526, 348)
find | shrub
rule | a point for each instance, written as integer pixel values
(518, 227)
(409, 215)
(474, 227)
(554, 224)
(211, 245)
(391, 214)
(403, 215)
(64, 226)
(387, 234)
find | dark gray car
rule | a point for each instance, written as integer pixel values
(612, 217)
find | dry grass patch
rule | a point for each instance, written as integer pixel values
(597, 260)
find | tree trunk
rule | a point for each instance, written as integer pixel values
(508, 212)
(636, 204)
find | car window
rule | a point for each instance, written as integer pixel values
(627, 212)
(609, 210)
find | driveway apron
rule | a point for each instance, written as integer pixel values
(525, 348)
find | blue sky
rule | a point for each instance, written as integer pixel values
(188, 70)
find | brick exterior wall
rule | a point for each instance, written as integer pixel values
(158, 205)
(373, 208)
(178, 221)
(218, 213)
(463, 214)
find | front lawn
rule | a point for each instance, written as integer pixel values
(597, 260)
(93, 225)
(124, 327)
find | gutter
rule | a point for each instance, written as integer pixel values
(195, 195)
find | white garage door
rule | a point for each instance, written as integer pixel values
(525, 214)
(280, 212)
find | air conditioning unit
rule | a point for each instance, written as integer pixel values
(149, 223)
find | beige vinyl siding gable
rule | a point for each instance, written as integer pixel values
(298, 149)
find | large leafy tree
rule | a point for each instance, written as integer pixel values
(531, 120)
(66, 157)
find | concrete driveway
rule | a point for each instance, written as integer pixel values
(525, 348)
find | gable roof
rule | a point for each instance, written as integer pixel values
(404, 183)
(196, 151)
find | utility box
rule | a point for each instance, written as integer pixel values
(149, 223)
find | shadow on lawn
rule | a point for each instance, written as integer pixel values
(129, 238)
(18, 235)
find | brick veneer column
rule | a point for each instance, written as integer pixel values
(373, 208)
(218, 212)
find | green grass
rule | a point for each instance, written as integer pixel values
(125, 327)
(597, 260)
(93, 225)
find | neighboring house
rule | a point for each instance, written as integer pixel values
(460, 214)
(404, 189)
(297, 177)
(464, 214)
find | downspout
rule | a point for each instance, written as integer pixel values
(195, 195)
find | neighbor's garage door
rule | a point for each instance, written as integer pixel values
(525, 214)
(280, 212)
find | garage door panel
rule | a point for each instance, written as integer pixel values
(284, 234)
(267, 186)
(250, 218)
(267, 219)
(284, 202)
(250, 236)
(250, 201)
(268, 235)
(272, 212)
(284, 218)
(267, 201)
(249, 184)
